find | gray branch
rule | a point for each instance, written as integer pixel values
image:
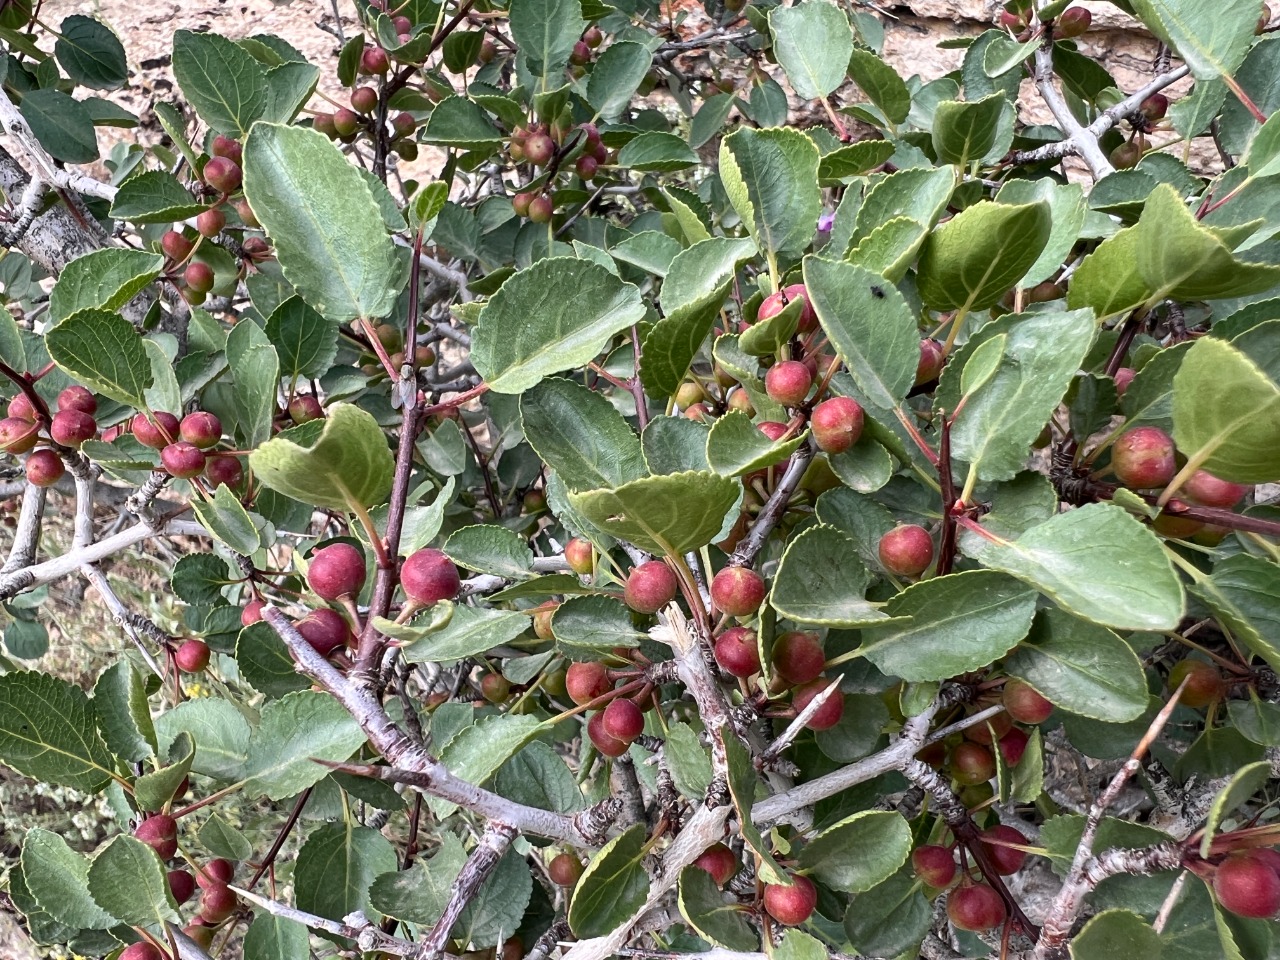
(493, 844)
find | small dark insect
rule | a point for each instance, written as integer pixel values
(877, 292)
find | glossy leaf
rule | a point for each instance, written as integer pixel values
(736, 446)
(612, 888)
(665, 514)
(705, 909)
(859, 852)
(305, 342)
(823, 580)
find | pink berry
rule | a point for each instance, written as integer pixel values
(836, 424)
(325, 630)
(586, 681)
(201, 429)
(906, 551)
(737, 653)
(1144, 458)
(17, 435)
(650, 587)
(44, 468)
(798, 657)
(791, 905)
(223, 174)
(738, 591)
(183, 460)
(210, 223)
(934, 865)
(622, 720)
(160, 833)
(78, 398)
(192, 656)
(336, 571)
(827, 715)
(775, 303)
(1210, 491)
(223, 471)
(931, 362)
(788, 382)
(157, 432)
(428, 576)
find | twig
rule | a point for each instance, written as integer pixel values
(493, 844)
(802, 718)
(26, 536)
(1085, 143)
(773, 510)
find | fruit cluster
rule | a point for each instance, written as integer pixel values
(27, 425)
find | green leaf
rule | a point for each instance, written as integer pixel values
(669, 514)
(265, 662)
(920, 195)
(865, 467)
(256, 371)
(323, 220)
(1108, 280)
(91, 54)
(951, 625)
(735, 446)
(489, 548)
(580, 435)
(496, 909)
(1243, 784)
(972, 259)
(228, 521)
(870, 324)
(1067, 215)
(890, 918)
(1244, 593)
(707, 123)
(613, 887)
(276, 938)
(419, 894)
(153, 197)
(890, 248)
(336, 867)
(1097, 562)
(127, 879)
(58, 879)
(223, 840)
(1263, 156)
(743, 781)
(124, 719)
(964, 133)
(306, 343)
(1082, 668)
(477, 752)
(688, 760)
(220, 731)
(859, 852)
(1256, 720)
(1116, 933)
(538, 777)
(348, 463)
(704, 908)
(1212, 40)
(107, 278)
(555, 315)
(295, 731)
(771, 178)
(981, 365)
(471, 630)
(701, 274)
(813, 43)
(823, 580)
(221, 80)
(62, 124)
(461, 123)
(853, 160)
(164, 392)
(882, 85)
(47, 731)
(1000, 420)
(656, 152)
(1226, 414)
(587, 628)
(544, 32)
(289, 87)
(153, 790)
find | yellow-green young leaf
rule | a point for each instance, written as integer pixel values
(743, 780)
(1243, 785)
(920, 195)
(965, 132)
(669, 514)
(294, 732)
(981, 365)
(47, 731)
(771, 177)
(336, 867)
(107, 279)
(1116, 933)
(120, 703)
(859, 852)
(766, 337)
(612, 888)
(736, 446)
(971, 260)
(813, 43)
(853, 160)
(1226, 414)
(555, 315)
(1263, 157)
(579, 434)
(1211, 38)
(323, 221)
(220, 79)
(890, 248)
(348, 463)
(127, 879)
(58, 879)
(103, 351)
(823, 580)
(1108, 281)
(703, 906)
(1097, 562)
(1067, 203)
(951, 625)
(1081, 667)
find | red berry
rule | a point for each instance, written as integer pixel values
(1013, 745)
(1155, 107)
(719, 861)
(210, 223)
(1124, 376)
(827, 715)
(252, 612)
(305, 408)
(199, 276)
(201, 429)
(564, 870)
(791, 905)
(520, 203)
(1013, 21)
(989, 730)
(1024, 704)
(934, 865)
(44, 468)
(336, 571)
(650, 587)
(1143, 458)
(325, 630)
(175, 246)
(906, 551)
(323, 122)
(142, 950)
(836, 424)
(542, 614)
(215, 873)
(228, 147)
(736, 652)
(183, 460)
(1204, 683)
(160, 833)
(182, 885)
(78, 398)
(1206, 489)
(1247, 886)
(975, 907)
(223, 471)
(495, 688)
(217, 903)
(20, 408)
(223, 175)
(798, 657)
(200, 933)
(775, 303)
(608, 745)
(72, 428)
(345, 122)
(374, 61)
(428, 577)
(592, 37)
(17, 435)
(585, 682)
(931, 362)
(738, 591)
(972, 763)
(587, 166)
(539, 149)
(788, 382)
(541, 209)
(1006, 859)
(157, 432)
(192, 656)
(1073, 22)
(770, 428)
(364, 99)
(581, 54)
(622, 720)
(580, 555)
